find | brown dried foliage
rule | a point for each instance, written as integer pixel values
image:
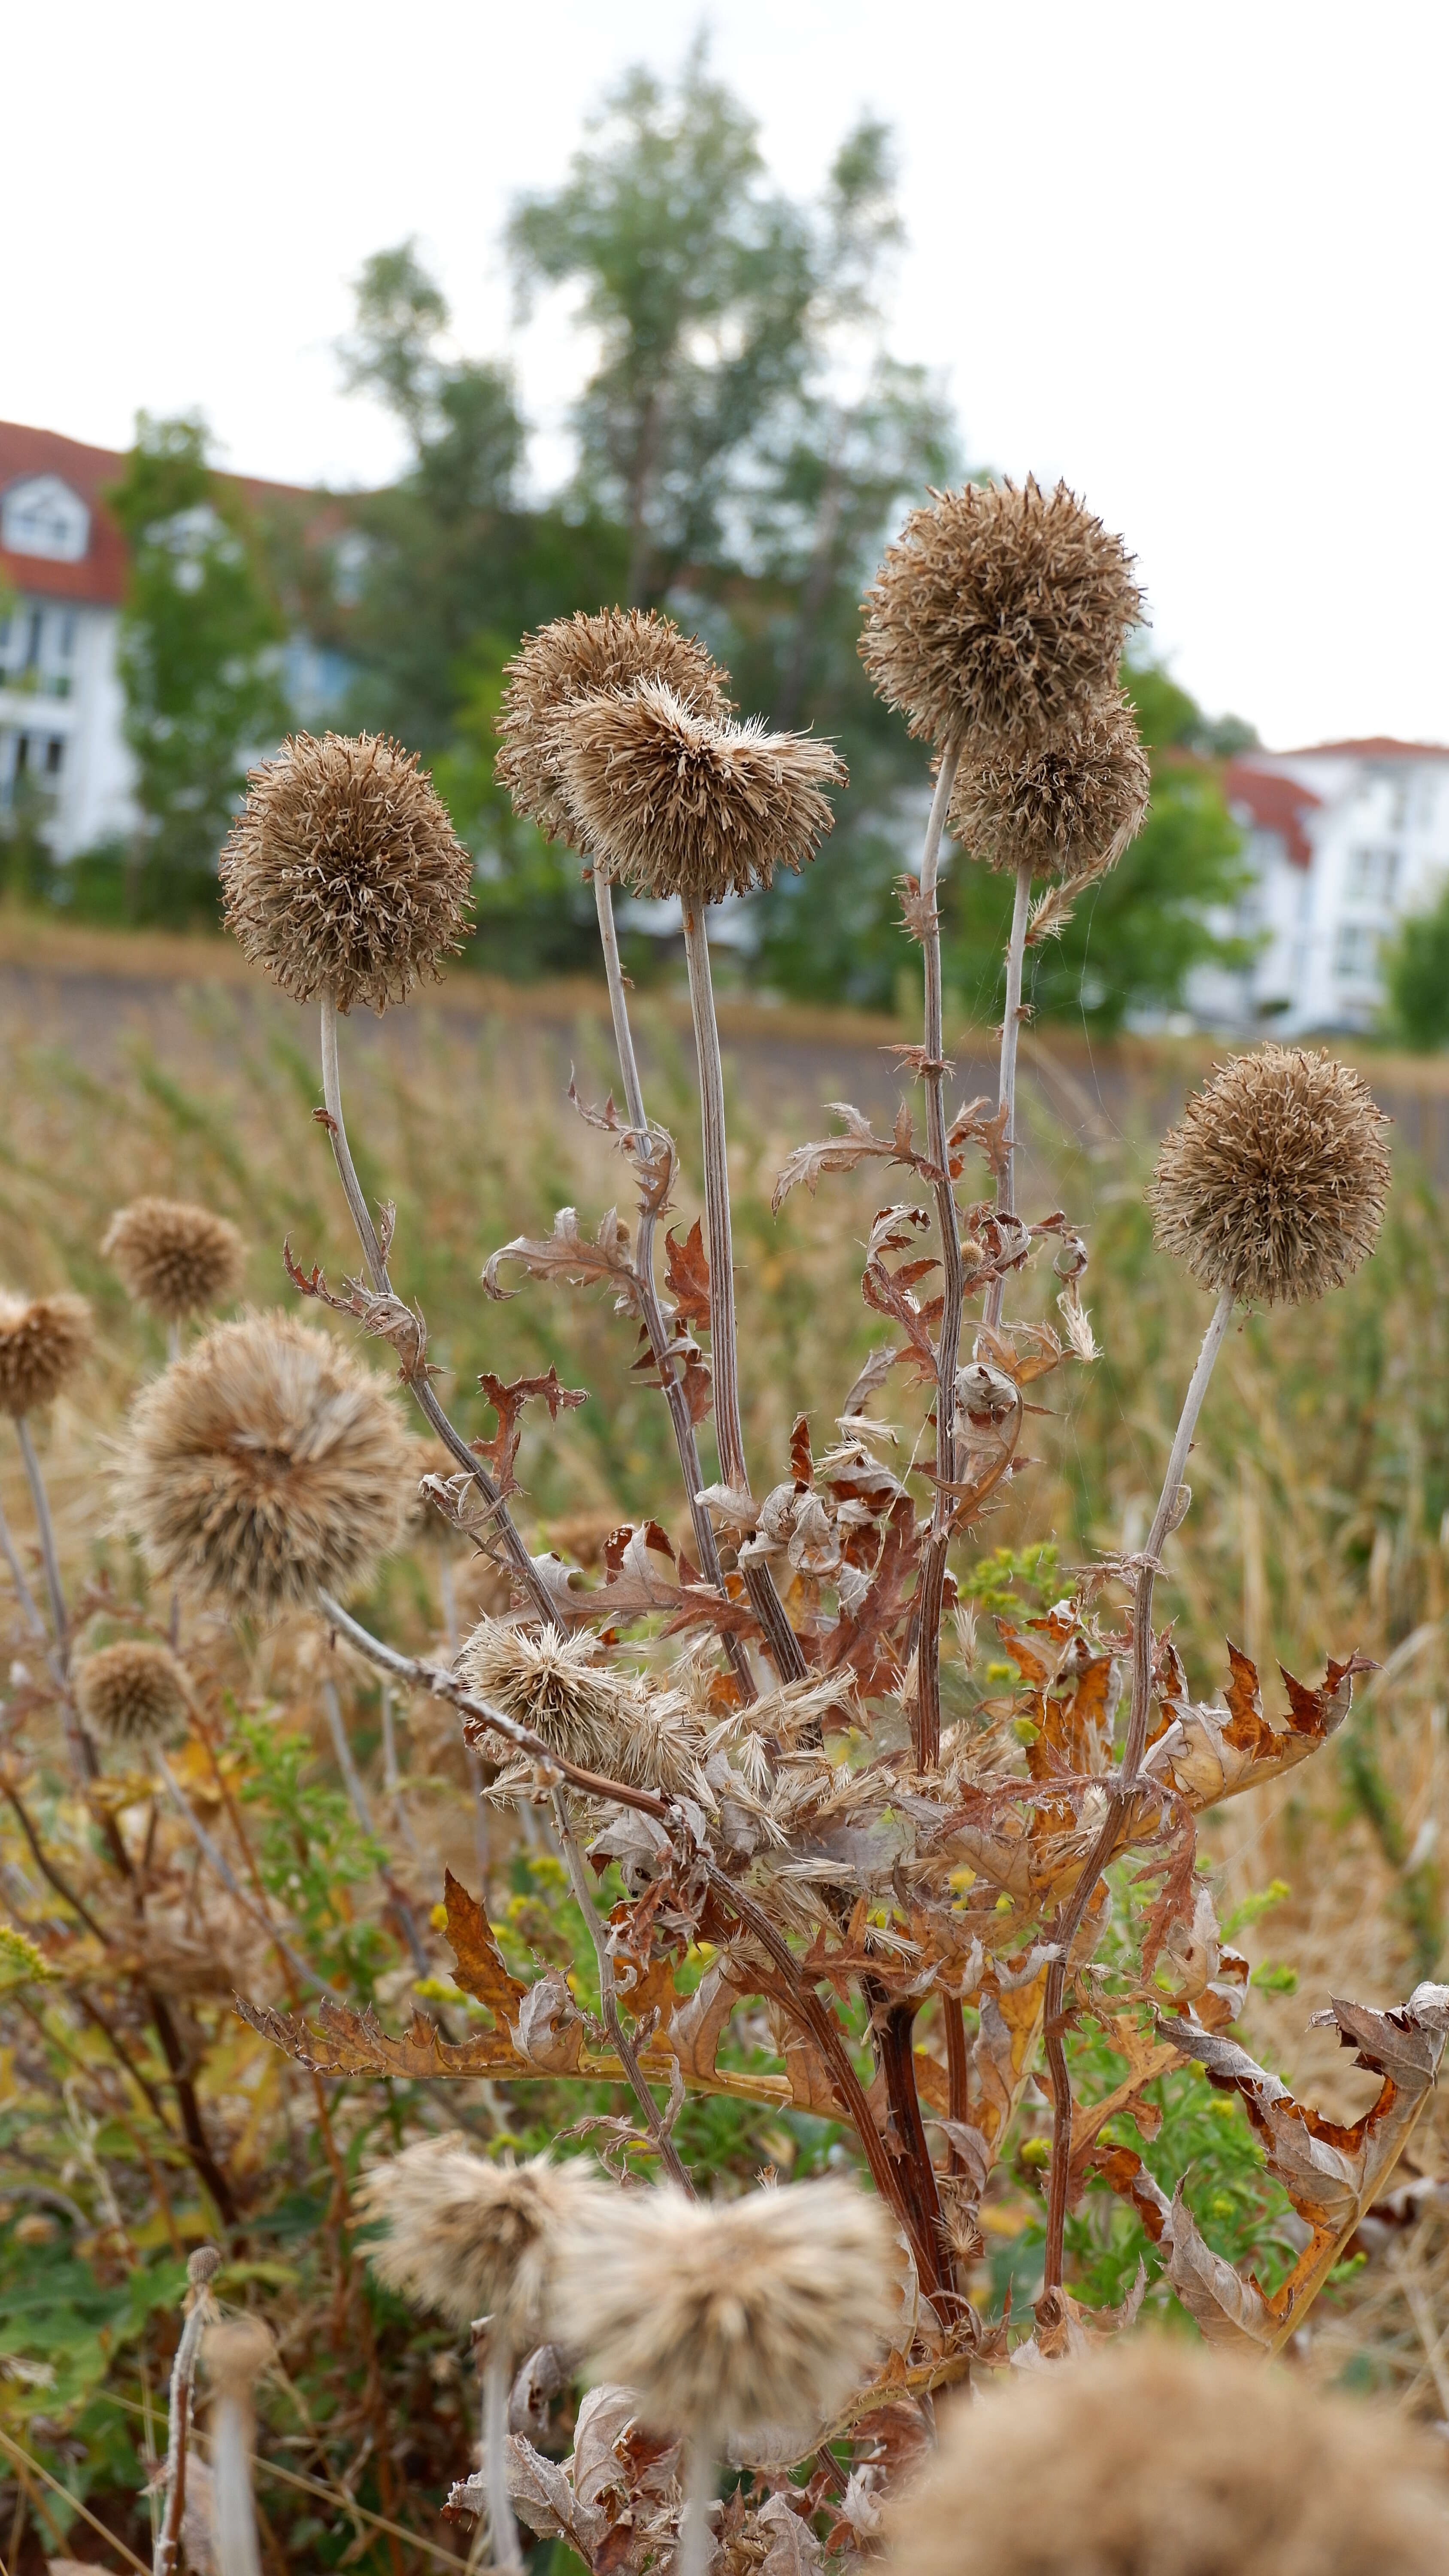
(1000, 610)
(1273, 1185)
(582, 657)
(266, 1465)
(1068, 806)
(43, 1341)
(1158, 2456)
(343, 871)
(173, 1258)
(677, 803)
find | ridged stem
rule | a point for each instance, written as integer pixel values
(653, 1317)
(780, 1637)
(1006, 1085)
(931, 1589)
(502, 2528)
(431, 1410)
(1122, 1789)
(696, 2546)
(624, 2049)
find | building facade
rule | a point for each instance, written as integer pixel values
(1343, 840)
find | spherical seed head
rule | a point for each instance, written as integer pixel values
(1273, 1185)
(1159, 2455)
(678, 803)
(174, 1259)
(1066, 807)
(43, 1341)
(265, 1466)
(132, 1693)
(584, 657)
(999, 610)
(766, 2310)
(469, 2237)
(343, 871)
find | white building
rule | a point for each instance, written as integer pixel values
(1344, 839)
(62, 584)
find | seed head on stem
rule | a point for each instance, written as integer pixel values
(133, 1693)
(1067, 806)
(583, 657)
(172, 1258)
(43, 1341)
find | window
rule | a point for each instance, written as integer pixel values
(1355, 952)
(32, 641)
(1372, 874)
(54, 756)
(67, 635)
(42, 516)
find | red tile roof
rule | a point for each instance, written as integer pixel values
(1376, 746)
(100, 576)
(1276, 804)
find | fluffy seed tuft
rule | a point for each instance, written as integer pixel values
(266, 1465)
(1160, 2455)
(1273, 1185)
(584, 657)
(999, 609)
(43, 1341)
(343, 870)
(679, 803)
(766, 2310)
(132, 1693)
(471, 2238)
(1068, 807)
(608, 1721)
(174, 1259)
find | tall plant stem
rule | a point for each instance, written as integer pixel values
(23, 1593)
(664, 2145)
(201, 2313)
(932, 1586)
(653, 1318)
(45, 1529)
(1006, 1086)
(1165, 1519)
(502, 2528)
(693, 2554)
(780, 1637)
(372, 1253)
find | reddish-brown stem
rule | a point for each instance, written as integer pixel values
(893, 2023)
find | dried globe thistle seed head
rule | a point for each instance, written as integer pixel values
(474, 2238)
(765, 2310)
(584, 657)
(174, 1259)
(132, 1693)
(1273, 1185)
(616, 1723)
(1067, 806)
(43, 1341)
(342, 871)
(266, 1465)
(999, 609)
(678, 803)
(1162, 2455)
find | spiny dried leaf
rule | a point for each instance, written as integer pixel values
(686, 1276)
(1207, 1754)
(859, 1144)
(508, 1403)
(567, 1257)
(479, 1967)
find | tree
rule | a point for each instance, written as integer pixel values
(200, 634)
(698, 281)
(1416, 979)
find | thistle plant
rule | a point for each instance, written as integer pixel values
(769, 1739)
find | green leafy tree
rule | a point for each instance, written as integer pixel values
(1416, 980)
(199, 642)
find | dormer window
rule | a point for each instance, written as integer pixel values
(43, 516)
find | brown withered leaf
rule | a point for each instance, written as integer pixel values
(571, 1259)
(686, 1276)
(508, 1403)
(697, 2025)
(348, 2042)
(863, 1640)
(844, 1153)
(1208, 1754)
(479, 1967)
(802, 1463)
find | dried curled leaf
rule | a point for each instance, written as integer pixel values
(572, 1260)
(1207, 1754)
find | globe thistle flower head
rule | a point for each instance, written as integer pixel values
(342, 871)
(1066, 807)
(1159, 2454)
(265, 1466)
(473, 2237)
(172, 1258)
(999, 609)
(1273, 1184)
(132, 1693)
(611, 1722)
(43, 1341)
(583, 657)
(677, 803)
(765, 2310)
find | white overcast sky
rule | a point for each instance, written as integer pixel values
(1188, 253)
